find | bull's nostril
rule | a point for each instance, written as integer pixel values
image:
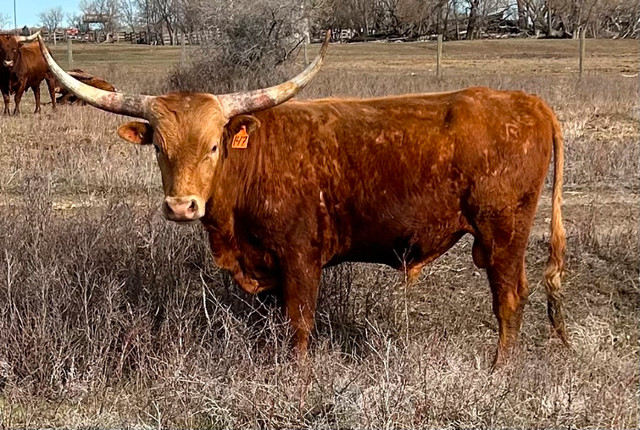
(182, 208)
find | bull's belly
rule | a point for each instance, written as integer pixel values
(418, 231)
(400, 253)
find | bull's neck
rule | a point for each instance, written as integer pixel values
(237, 180)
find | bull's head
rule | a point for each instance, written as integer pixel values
(9, 46)
(186, 129)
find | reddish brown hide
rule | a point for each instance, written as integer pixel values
(396, 180)
(67, 97)
(22, 66)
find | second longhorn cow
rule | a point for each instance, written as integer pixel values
(67, 97)
(22, 66)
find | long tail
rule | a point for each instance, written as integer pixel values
(555, 265)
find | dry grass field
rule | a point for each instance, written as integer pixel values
(112, 317)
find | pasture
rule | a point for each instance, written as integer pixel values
(111, 316)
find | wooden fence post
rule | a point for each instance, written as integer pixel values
(306, 55)
(183, 51)
(69, 53)
(439, 57)
(582, 50)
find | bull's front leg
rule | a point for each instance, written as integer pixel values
(300, 282)
(7, 100)
(22, 86)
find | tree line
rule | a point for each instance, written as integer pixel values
(366, 19)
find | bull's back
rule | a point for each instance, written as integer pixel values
(416, 154)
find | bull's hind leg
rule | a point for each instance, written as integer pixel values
(500, 248)
(36, 95)
(510, 291)
(52, 90)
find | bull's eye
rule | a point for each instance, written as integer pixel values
(214, 149)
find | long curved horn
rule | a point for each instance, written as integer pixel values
(133, 105)
(251, 101)
(27, 39)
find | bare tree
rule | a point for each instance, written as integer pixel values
(75, 20)
(167, 11)
(129, 13)
(422, 17)
(51, 20)
(472, 8)
(407, 18)
(106, 9)
(353, 14)
(618, 18)
(149, 15)
(5, 21)
(189, 17)
(249, 43)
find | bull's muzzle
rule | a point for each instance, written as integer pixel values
(8, 63)
(183, 209)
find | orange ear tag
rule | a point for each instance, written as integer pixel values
(241, 139)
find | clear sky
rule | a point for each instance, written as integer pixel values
(27, 10)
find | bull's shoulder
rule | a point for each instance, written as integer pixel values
(32, 50)
(31, 60)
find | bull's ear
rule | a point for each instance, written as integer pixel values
(136, 132)
(235, 124)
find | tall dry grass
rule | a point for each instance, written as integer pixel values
(112, 317)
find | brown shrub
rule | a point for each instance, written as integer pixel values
(253, 48)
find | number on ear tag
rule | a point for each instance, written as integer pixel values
(241, 139)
